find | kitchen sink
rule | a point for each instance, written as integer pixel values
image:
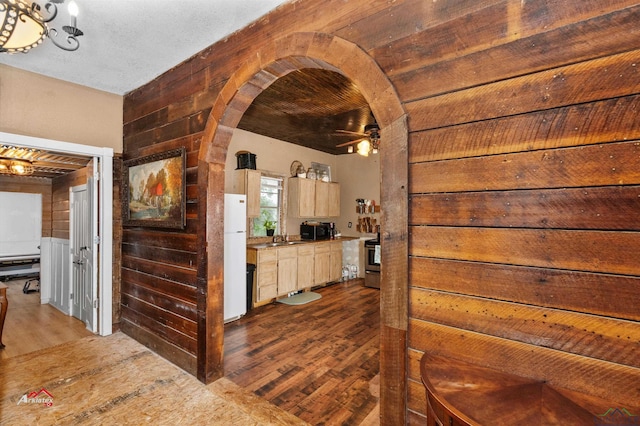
(278, 244)
(284, 243)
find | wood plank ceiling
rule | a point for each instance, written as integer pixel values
(43, 164)
(310, 107)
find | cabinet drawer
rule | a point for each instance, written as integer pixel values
(306, 250)
(267, 292)
(287, 252)
(267, 274)
(267, 255)
(322, 247)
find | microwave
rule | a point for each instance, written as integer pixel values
(315, 231)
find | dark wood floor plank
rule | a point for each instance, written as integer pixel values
(315, 361)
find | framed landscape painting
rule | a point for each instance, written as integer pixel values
(155, 190)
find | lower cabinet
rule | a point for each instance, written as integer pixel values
(287, 270)
(335, 262)
(282, 270)
(306, 260)
(322, 265)
(266, 274)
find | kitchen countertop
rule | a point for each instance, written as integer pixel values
(270, 245)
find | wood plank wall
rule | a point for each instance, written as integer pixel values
(523, 182)
(60, 201)
(116, 283)
(158, 272)
(524, 194)
(31, 185)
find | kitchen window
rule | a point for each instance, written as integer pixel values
(271, 202)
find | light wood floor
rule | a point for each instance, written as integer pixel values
(115, 380)
(318, 362)
(31, 326)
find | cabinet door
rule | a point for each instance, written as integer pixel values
(322, 199)
(334, 199)
(248, 182)
(253, 183)
(266, 275)
(305, 266)
(335, 272)
(302, 197)
(322, 263)
(287, 270)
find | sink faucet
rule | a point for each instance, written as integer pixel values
(281, 238)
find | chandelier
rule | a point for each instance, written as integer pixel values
(23, 27)
(16, 167)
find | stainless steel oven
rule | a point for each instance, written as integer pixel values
(372, 263)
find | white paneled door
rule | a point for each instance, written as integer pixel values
(83, 286)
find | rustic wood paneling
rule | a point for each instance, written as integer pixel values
(594, 251)
(615, 382)
(60, 201)
(599, 208)
(523, 201)
(611, 120)
(32, 185)
(591, 336)
(616, 75)
(571, 43)
(594, 165)
(609, 295)
(522, 168)
(117, 241)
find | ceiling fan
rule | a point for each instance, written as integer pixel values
(368, 141)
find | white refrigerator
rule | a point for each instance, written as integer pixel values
(235, 256)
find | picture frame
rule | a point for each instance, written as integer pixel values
(319, 167)
(154, 190)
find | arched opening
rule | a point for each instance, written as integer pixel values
(299, 51)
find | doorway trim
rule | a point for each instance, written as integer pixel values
(104, 227)
(270, 62)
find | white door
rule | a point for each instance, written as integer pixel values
(83, 286)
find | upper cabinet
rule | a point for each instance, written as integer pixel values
(302, 193)
(310, 198)
(247, 181)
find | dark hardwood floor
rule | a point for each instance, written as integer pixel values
(319, 361)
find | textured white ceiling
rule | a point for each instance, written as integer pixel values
(127, 43)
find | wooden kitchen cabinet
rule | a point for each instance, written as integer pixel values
(301, 199)
(313, 198)
(284, 269)
(248, 181)
(322, 199)
(334, 199)
(335, 262)
(306, 262)
(287, 270)
(322, 266)
(266, 262)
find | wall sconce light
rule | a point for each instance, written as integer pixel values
(23, 27)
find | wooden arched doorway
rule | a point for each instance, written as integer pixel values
(294, 52)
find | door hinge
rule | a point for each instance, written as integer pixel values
(95, 303)
(96, 239)
(96, 176)
(71, 296)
